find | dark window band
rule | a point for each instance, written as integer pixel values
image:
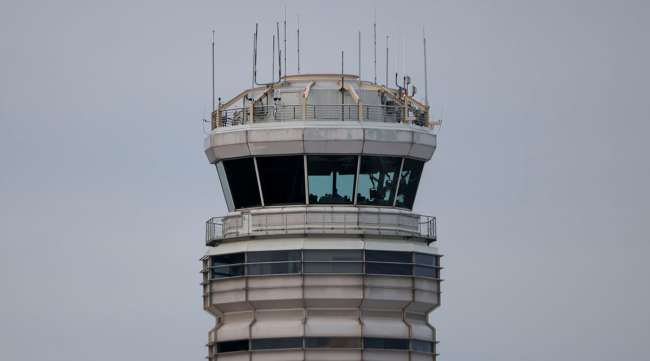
(326, 179)
(354, 262)
(325, 342)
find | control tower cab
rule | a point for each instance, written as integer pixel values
(320, 256)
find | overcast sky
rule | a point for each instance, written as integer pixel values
(540, 182)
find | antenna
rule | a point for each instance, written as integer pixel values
(359, 55)
(374, 28)
(426, 78)
(277, 29)
(212, 70)
(386, 83)
(298, 36)
(285, 39)
(273, 62)
(342, 88)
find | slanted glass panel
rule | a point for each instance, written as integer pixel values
(425, 259)
(242, 182)
(377, 180)
(273, 268)
(332, 342)
(282, 179)
(388, 269)
(408, 184)
(422, 271)
(333, 255)
(422, 346)
(227, 259)
(388, 256)
(386, 343)
(273, 256)
(331, 178)
(232, 346)
(336, 267)
(228, 271)
(276, 343)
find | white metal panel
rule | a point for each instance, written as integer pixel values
(332, 355)
(384, 327)
(273, 141)
(278, 323)
(386, 141)
(235, 326)
(385, 355)
(338, 323)
(420, 330)
(275, 355)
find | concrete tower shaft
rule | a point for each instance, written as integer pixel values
(320, 256)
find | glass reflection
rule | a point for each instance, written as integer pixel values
(331, 179)
(408, 185)
(377, 180)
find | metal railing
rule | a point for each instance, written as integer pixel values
(322, 222)
(341, 112)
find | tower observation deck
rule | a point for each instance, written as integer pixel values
(320, 256)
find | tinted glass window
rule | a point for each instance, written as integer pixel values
(226, 259)
(422, 346)
(388, 256)
(338, 267)
(389, 343)
(273, 268)
(273, 256)
(282, 179)
(388, 268)
(377, 180)
(408, 185)
(425, 259)
(227, 271)
(242, 182)
(231, 346)
(332, 255)
(423, 271)
(334, 342)
(331, 179)
(275, 343)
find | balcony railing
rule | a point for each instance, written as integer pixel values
(347, 112)
(355, 221)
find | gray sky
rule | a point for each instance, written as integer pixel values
(540, 182)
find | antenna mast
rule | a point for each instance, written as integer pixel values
(426, 78)
(273, 62)
(298, 36)
(374, 28)
(386, 83)
(277, 29)
(212, 70)
(359, 55)
(285, 39)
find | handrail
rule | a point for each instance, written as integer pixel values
(340, 112)
(318, 221)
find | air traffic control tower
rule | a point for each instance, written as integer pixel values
(320, 256)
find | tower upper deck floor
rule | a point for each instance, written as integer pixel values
(321, 113)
